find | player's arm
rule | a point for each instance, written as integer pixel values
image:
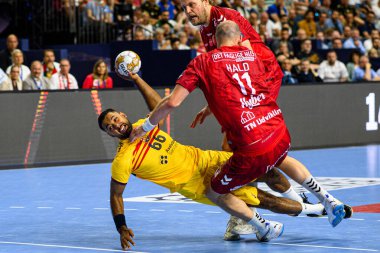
(166, 105)
(201, 116)
(151, 97)
(117, 208)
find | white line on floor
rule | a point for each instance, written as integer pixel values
(131, 209)
(16, 207)
(72, 208)
(212, 212)
(186, 211)
(44, 207)
(325, 247)
(68, 247)
(101, 208)
(157, 210)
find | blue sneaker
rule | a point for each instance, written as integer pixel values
(335, 211)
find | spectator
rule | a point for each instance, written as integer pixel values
(152, 8)
(347, 31)
(162, 43)
(260, 6)
(174, 43)
(6, 54)
(375, 47)
(322, 22)
(369, 25)
(254, 20)
(183, 41)
(284, 53)
(337, 44)
(166, 5)
(99, 78)
(332, 70)
(276, 10)
(63, 80)
(373, 53)
(3, 76)
(36, 81)
(164, 19)
(284, 37)
(146, 26)
(49, 65)
(368, 42)
(364, 72)
(308, 53)
(308, 24)
(321, 42)
(289, 77)
(354, 41)
(95, 11)
(354, 62)
(301, 35)
(18, 60)
(13, 82)
(239, 6)
(306, 74)
(334, 22)
(139, 34)
(123, 14)
(269, 24)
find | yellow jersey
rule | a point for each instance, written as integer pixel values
(158, 158)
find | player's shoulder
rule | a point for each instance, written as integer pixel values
(228, 12)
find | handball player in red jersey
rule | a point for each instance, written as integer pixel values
(232, 79)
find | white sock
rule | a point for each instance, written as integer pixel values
(312, 209)
(257, 221)
(314, 187)
(291, 194)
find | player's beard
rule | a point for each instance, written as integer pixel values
(128, 132)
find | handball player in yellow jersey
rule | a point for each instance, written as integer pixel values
(183, 169)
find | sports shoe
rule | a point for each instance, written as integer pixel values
(335, 211)
(347, 208)
(237, 227)
(273, 230)
(228, 235)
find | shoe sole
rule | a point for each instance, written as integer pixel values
(339, 213)
(266, 240)
(232, 238)
(348, 211)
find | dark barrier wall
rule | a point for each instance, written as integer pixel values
(61, 127)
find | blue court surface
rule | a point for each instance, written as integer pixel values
(66, 209)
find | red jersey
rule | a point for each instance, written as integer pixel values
(217, 16)
(233, 82)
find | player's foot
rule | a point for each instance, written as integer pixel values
(335, 211)
(228, 235)
(349, 211)
(273, 230)
(347, 208)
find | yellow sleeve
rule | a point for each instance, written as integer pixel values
(121, 170)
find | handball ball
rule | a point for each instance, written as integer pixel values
(127, 61)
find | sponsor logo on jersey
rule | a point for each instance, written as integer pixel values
(257, 122)
(246, 117)
(240, 56)
(253, 101)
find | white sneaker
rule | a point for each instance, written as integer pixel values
(273, 230)
(335, 211)
(228, 235)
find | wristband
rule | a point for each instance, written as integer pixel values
(147, 126)
(119, 220)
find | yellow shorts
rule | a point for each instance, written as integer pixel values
(209, 162)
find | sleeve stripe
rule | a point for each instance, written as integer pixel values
(146, 145)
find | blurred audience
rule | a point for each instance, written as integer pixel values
(18, 60)
(6, 54)
(332, 70)
(49, 65)
(13, 83)
(364, 71)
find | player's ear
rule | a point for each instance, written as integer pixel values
(123, 114)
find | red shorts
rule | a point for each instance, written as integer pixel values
(244, 167)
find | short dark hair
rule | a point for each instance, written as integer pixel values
(102, 116)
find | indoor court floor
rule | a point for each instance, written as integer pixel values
(66, 209)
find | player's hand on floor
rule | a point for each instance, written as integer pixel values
(201, 116)
(136, 133)
(126, 238)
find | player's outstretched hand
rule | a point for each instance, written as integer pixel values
(126, 238)
(136, 133)
(130, 77)
(205, 112)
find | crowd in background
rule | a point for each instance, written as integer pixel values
(296, 31)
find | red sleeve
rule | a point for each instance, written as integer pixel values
(87, 84)
(190, 78)
(109, 83)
